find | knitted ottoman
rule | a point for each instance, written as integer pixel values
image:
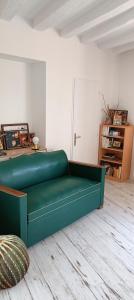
(14, 260)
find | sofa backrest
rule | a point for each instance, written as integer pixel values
(26, 170)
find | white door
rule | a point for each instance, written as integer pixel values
(86, 120)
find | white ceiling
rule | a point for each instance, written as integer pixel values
(107, 23)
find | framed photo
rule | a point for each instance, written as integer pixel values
(124, 117)
(119, 117)
(1, 141)
(15, 135)
(117, 144)
(117, 120)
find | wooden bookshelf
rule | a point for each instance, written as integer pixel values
(117, 159)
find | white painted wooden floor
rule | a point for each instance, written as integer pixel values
(91, 259)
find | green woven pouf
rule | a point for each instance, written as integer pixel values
(14, 260)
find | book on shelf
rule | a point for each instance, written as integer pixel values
(105, 131)
(113, 171)
(112, 132)
(119, 172)
(109, 169)
(109, 156)
(105, 142)
(111, 143)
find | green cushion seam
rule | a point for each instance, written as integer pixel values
(48, 213)
(74, 194)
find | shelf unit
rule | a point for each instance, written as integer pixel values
(116, 159)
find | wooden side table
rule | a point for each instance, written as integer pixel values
(17, 152)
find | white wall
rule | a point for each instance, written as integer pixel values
(66, 59)
(126, 88)
(37, 106)
(14, 92)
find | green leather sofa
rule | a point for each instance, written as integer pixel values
(43, 192)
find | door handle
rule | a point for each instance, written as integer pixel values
(76, 137)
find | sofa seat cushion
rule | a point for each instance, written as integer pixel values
(45, 197)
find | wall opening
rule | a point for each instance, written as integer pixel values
(23, 93)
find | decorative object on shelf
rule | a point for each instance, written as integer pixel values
(110, 142)
(1, 142)
(124, 117)
(31, 136)
(109, 156)
(117, 120)
(117, 144)
(108, 117)
(114, 133)
(120, 117)
(14, 260)
(109, 113)
(105, 142)
(113, 171)
(115, 115)
(36, 143)
(15, 135)
(2, 152)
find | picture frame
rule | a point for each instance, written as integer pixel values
(16, 135)
(116, 144)
(1, 141)
(124, 117)
(119, 117)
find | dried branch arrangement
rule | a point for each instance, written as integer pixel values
(109, 113)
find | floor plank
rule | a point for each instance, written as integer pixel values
(90, 259)
(102, 262)
(4, 295)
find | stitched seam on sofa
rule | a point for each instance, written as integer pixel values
(74, 194)
(48, 213)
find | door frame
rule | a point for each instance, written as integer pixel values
(73, 108)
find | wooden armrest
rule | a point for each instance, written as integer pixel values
(86, 165)
(11, 191)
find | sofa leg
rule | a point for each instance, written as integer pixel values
(101, 206)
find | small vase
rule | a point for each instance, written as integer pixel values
(108, 121)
